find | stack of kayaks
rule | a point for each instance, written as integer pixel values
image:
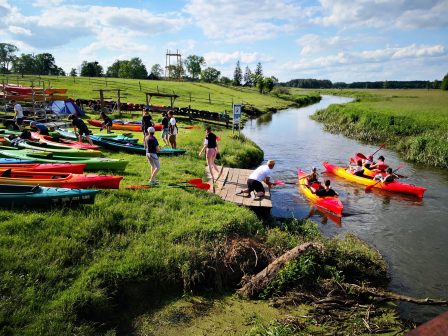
(134, 126)
(332, 204)
(13, 196)
(60, 180)
(391, 186)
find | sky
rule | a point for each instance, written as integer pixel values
(338, 40)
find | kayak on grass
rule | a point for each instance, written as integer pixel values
(13, 161)
(62, 142)
(46, 167)
(134, 148)
(125, 126)
(329, 203)
(126, 137)
(13, 196)
(59, 180)
(63, 151)
(92, 163)
(390, 186)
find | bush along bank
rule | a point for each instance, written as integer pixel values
(418, 141)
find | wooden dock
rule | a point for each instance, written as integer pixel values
(233, 180)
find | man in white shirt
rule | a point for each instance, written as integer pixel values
(173, 130)
(18, 117)
(261, 174)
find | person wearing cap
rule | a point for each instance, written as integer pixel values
(41, 128)
(378, 165)
(18, 114)
(211, 150)
(81, 127)
(152, 148)
(261, 174)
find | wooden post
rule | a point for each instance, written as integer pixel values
(147, 100)
(209, 98)
(158, 89)
(190, 96)
(105, 79)
(101, 100)
(119, 102)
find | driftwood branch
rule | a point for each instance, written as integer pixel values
(390, 295)
(260, 281)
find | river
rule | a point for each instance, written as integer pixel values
(411, 233)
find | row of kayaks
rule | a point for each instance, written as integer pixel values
(133, 126)
(334, 205)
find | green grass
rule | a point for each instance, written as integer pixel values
(414, 122)
(221, 97)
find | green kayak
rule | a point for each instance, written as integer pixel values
(13, 196)
(56, 150)
(92, 163)
(118, 137)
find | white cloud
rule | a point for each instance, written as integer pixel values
(315, 44)
(385, 14)
(219, 58)
(47, 3)
(19, 30)
(244, 20)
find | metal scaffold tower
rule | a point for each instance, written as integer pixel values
(169, 67)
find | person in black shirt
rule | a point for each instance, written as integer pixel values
(211, 147)
(146, 122)
(81, 127)
(327, 191)
(152, 148)
(165, 128)
(107, 122)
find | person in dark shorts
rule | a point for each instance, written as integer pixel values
(261, 174)
(146, 122)
(107, 122)
(81, 127)
(165, 128)
(211, 150)
(152, 148)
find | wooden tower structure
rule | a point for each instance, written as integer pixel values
(176, 62)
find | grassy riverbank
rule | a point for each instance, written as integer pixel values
(413, 122)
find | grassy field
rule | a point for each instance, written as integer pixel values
(414, 122)
(204, 96)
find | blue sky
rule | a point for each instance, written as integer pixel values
(339, 40)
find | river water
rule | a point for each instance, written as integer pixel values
(411, 233)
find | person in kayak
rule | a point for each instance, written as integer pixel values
(378, 165)
(312, 181)
(146, 122)
(211, 150)
(165, 128)
(79, 125)
(368, 162)
(41, 128)
(107, 122)
(357, 170)
(152, 148)
(389, 177)
(261, 174)
(326, 191)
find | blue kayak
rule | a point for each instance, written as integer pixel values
(14, 161)
(26, 196)
(132, 148)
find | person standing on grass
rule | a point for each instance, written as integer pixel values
(211, 150)
(18, 114)
(107, 122)
(152, 148)
(146, 122)
(165, 128)
(261, 174)
(81, 127)
(173, 130)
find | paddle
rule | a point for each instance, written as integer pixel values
(192, 181)
(369, 187)
(381, 147)
(279, 182)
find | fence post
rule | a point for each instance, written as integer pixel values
(158, 89)
(190, 96)
(209, 98)
(105, 79)
(140, 84)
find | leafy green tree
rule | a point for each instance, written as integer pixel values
(444, 85)
(73, 72)
(114, 69)
(268, 84)
(176, 71)
(237, 74)
(91, 69)
(137, 69)
(210, 75)
(193, 64)
(247, 77)
(7, 55)
(25, 64)
(156, 71)
(225, 80)
(385, 84)
(436, 84)
(259, 70)
(45, 64)
(260, 84)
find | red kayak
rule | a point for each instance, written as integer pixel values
(124, 126)
(389, 186)
(332, 204)
(63, 142)
(75, 168)
(59, 180)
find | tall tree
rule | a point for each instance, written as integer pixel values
(137, 69)
(193, 64)
(7, 55)
(247, 77)
(210, 75)
(73, 72)
(237, 74)
(91, 69)
(25, 64)
(259, 70)
(114, 69)
(156, 71)
(444, 85)
(176, 71)
(268, 84)
(435, 84)
(45, 64)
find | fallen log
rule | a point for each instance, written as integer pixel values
(260, 281)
